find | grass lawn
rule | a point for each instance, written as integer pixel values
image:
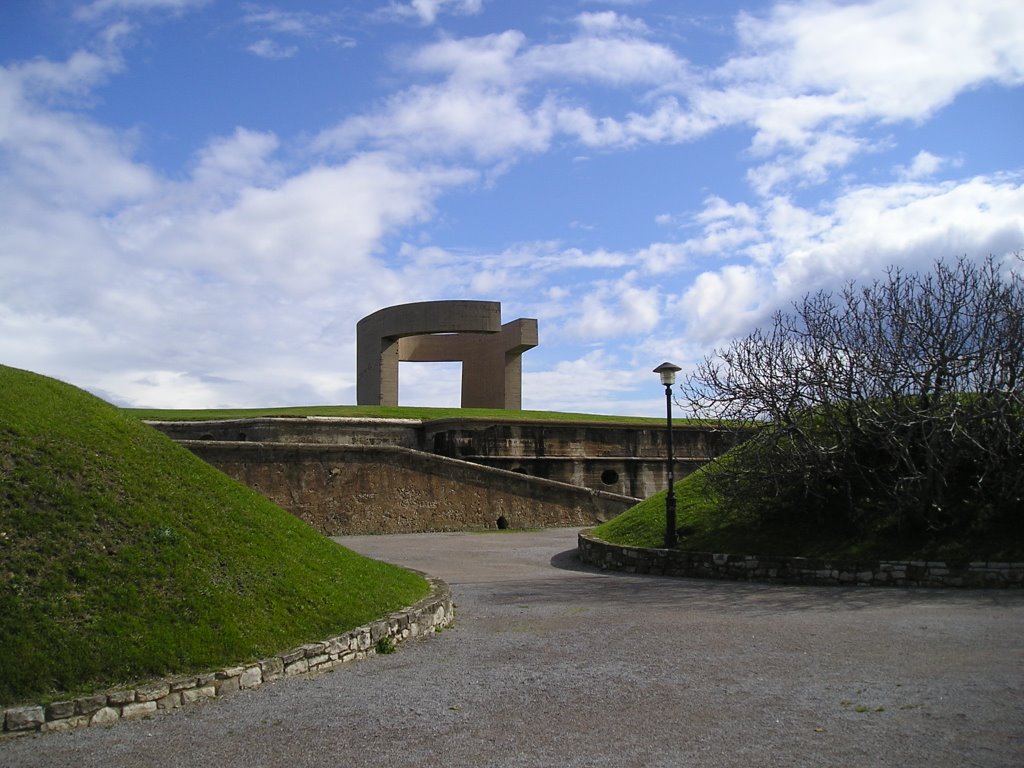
(124, 557)
(706, 526)
(387, 412)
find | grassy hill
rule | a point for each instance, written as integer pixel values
(124, 557)
(705, 525)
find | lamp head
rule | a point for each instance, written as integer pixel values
(667, 372)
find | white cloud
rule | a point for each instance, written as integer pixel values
(489, 103)
(717, 210)
(165, 389)
(242, 158)
(593, 382)
(301, 23)
(489, 123)
(488, 59)
(614, 310)
(923, 165)
(101, 7)
(238, 285)
(611, 50)
(721, 304)
(268, 49)
(56, 153)
(322, 223)
(891, 59)
(273, 23)
(238, 282)
(661, 258)
(430, 384)
(797, 250)
(806, 80)
(610, 22)
(809, 74)
(811, 165)
(427, 11)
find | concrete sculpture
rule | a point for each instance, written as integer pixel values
(469, 332)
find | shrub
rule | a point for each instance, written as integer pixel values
(896, 406)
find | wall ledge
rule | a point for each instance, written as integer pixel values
(797, 570)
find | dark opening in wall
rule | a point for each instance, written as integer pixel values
(502, 522)
(609, 477)
(241, 437)
(520, 470)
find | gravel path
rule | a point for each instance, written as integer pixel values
(550, 664)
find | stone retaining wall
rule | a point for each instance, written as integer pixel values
(797, 570)
(420, 620)
(344, 490)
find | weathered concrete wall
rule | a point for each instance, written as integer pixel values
(626, 459)
(365, 489)
(317, 430)
(462, 437)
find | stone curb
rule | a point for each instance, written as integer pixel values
(797, 570)
(419, 620)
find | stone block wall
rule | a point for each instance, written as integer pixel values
(418, 621)
(796, 570)
(344, 490)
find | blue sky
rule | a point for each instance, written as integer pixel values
(200, 198)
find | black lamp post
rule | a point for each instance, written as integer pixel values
(667, 372)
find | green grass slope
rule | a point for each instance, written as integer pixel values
(705, 525)
(124, 557)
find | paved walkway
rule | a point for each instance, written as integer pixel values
(550, 664)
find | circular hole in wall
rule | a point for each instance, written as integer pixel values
(609, 477)
(206, 436)
(501, 522)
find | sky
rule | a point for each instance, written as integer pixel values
(199, 199)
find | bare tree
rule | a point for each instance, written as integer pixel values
(894, 405)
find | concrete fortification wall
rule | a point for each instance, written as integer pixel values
(624, 459)
(353, 475)
(349, 489)
(627, 459)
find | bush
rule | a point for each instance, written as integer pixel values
(893, 407)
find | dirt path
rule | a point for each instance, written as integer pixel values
(553, 665)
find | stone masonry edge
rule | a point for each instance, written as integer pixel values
(797, 570)
(419, 620)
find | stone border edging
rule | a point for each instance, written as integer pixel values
(421, 619)
(796, 570)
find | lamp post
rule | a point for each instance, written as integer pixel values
(667, 372)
